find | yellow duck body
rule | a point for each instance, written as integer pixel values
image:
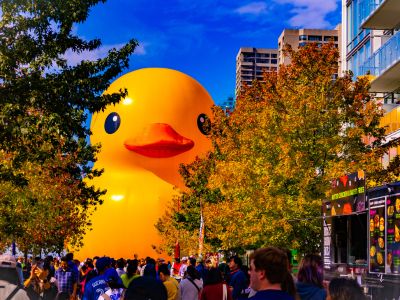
(159, 125)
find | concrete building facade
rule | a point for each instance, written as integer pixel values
(251, 63)
(300, 37)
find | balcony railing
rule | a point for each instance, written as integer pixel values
(367, 7)
(382, 59)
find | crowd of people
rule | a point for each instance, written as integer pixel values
(268, 277)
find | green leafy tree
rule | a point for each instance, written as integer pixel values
(45, 101)
(275, 154)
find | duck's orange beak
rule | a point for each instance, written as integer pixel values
(159, 141)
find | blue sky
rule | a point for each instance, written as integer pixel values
(201, 37)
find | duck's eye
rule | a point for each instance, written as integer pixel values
(112, 123)
(204, 124)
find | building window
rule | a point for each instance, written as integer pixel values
(263, 61)
(302, 44)
(315, 38)
(274, 61)
(274, 55)
(330, 38)
(302, 37)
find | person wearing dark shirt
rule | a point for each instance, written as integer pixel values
(237, 280)
(268, 269)
(310, 278)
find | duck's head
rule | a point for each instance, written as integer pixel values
(163, 122)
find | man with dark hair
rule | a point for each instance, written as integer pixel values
(66, 280)
(98, 285)
(268, 270)
(170, 283)
(237, 280)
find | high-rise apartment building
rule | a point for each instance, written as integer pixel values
(300, 37)
(251, 63)
(371, 45)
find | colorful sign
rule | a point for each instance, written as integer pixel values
(348, 195)
(393, 235)
(377, 235)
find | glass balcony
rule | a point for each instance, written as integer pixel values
(384, 64)
(380, 14)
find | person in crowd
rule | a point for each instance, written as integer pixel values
(192, 261)
(20, 266)
(214, 287)
(183, 267)
(289, 284)
(98, 285)
(345, 289)
(170, 283)
(93, 272)
(191, 285)
(66, 281)
(72, 264)
(201, 268)
(237, 282)
(268, 270)
(38, 278)
(83, 274)
(150, 269)
(115, 291)
(145, 288)
(310, 277)
(131, 273)
(176, 265)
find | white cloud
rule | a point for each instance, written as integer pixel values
(74, 58)
(253, 8)
(310, 13)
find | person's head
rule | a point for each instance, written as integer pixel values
(192, 272)
(177, 260)
(70, 256)
(120, 263)
(184, 260)
(102, 264)
(163, 271)
(311, 270)
(213, 276)
(64, 263)
(344, 289)
(95, 260)
(235, 262)
(268, 266)
(144, 288)
(192, 261)
(132, 268)
(150, 270)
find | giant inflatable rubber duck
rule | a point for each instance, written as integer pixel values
(162, 123)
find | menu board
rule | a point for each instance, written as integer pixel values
(377, 235)
(348, 195)
(393, 235)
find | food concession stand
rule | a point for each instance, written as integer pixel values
(361, 237)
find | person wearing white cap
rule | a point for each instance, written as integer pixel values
(182, 269)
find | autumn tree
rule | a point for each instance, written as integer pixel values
(45, 102)
(275, 154)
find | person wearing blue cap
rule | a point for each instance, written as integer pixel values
(98, 285)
